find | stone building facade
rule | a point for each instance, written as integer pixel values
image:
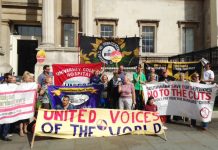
(166, 28)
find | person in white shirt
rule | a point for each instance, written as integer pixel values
(208, 74)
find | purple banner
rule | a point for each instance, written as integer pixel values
(85, 96)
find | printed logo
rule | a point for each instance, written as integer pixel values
(101, 124)
(204, 112)
(105, 50)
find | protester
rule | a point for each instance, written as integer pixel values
(27, 77)
(165, 77)
(46, 72)
(150, 106)
(152, 78)
(121, 72)
(96, 78)
(127, 99)
(65, 105)
(208, 74)
(113, 90)
(104, 100)
(195, 78)
(152, 72)
(139, 79)
(4, 128)
(44, 93)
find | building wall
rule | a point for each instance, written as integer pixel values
(168, 12)
(127, 12)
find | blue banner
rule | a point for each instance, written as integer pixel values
(85, 96)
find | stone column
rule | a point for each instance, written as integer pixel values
(87, 18)
(48, 23)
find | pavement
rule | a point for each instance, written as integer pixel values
(179, 137)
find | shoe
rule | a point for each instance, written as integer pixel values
(164, 127)
(204, 128)
(9, 135)
(191, 126)
(6, 139)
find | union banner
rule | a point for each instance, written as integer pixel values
(81, 123)
(73, 74)
(175, 68)
(97, 49)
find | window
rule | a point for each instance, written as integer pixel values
(107, 30)
(148, 32)
(187, 39)
(106, 27)
(69, 34)
(27, 30)
(148, 37)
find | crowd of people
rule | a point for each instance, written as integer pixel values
(119, 92)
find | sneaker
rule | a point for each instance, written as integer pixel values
(9, 135)
(164, 127)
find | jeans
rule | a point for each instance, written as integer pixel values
(4, 129)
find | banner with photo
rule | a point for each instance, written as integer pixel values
(86, 96)
(17, 102)
(175, 68)
(99, 49)
(81, 123)
(73, 74)
(187, 99)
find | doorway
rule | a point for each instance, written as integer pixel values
(26, 51)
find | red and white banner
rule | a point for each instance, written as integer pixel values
(73, 74)
(17, 101)
(188, 99)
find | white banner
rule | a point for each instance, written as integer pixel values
(17, 101)
(188, 99)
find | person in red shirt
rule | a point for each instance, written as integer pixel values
(150, 106)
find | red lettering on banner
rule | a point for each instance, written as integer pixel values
(92, 116)
(133, 117)
(166, 92)
(190, 94)
(72, 112)
(46, 115)
(81, 115)
(137, 116)
(156, 116)
(155, 93)
(123, 114)
(59, 115)
(114, 119)
(146, 116)
(208, 96)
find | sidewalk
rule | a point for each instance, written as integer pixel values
(179, 137)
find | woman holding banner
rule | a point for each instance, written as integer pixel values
(195, 78)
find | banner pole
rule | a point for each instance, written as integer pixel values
(33, 139)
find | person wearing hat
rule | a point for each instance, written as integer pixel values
(65, 104)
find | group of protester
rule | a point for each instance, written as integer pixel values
(119, 92)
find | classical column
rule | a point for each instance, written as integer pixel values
(48, 23)
(87, 18)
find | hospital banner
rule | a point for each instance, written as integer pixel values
(17, 101)
(175, 68)
(73, 74)
(187, 99)
(110, 51)
(81, 123)
(84, 96)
